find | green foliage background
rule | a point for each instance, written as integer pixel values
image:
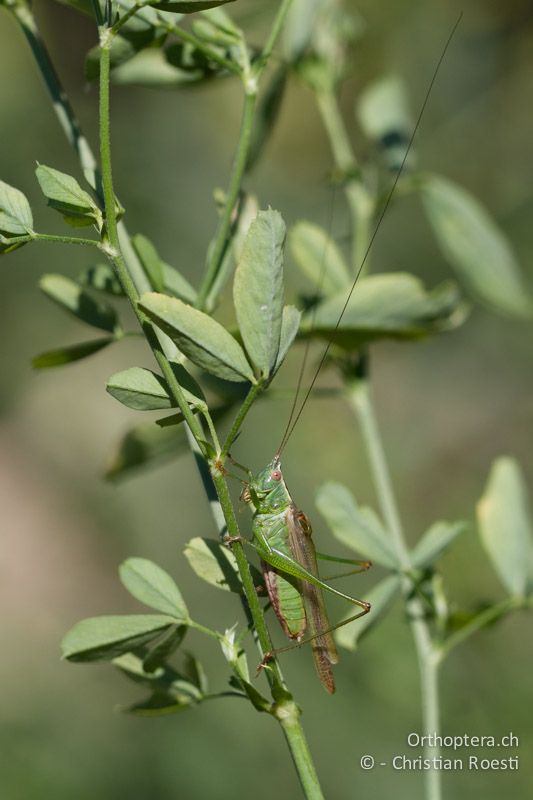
(448, 406)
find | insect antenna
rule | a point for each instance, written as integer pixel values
(294, 419)
(318, 293)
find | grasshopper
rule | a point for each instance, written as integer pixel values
(282, 536)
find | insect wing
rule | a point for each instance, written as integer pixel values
(303, 550)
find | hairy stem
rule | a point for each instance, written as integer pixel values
(360, 400)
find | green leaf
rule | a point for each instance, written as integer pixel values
(67, 355)
(356, 527)
(475, 247)
(145, 445)
(290, 323)
(66, 195)
(104, 638)
(214, 563)
(189, 6)
(15, 213)
(435, 541)
(319, 258)
(143, 390)
(392, 305)
(150, 261)
(154, 587)
(203, 340)
(379, 597)
(505, 526)
(258, 290)
(102, 278)
(70, 296)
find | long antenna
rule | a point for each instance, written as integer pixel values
(290, 427)
(318, 292)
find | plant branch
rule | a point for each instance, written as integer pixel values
(275, 31)
(481, 620)
(255, 390)
(360, 401)
(220, 243)
(358, 197)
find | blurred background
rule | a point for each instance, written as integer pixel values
(448, 406)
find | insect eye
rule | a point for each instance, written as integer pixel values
(275, 475)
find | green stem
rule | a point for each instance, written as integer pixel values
(220, 243)
(427, 657)
(47, 237)
(255, 389)
(275, 31)
(359, 199)
(480, 621)
(209, 52)
(288, 716)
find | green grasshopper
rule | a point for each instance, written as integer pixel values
(283, 539)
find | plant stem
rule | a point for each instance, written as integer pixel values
(480, 621)
(209, 52)
(224, 226)
(359, 199)
(275, 31)
(359, 399)
(255, 390)
(251, 78)
(288, 717)
(48, 237)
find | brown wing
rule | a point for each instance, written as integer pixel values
(303, 550)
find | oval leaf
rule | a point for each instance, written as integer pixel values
(319, 258)
(67, 355)
(189, 6)
(104, 638)
(358, 528)
(505, 526)
(198, 336)
(70, 296)
(475, 247)
(258, 290)
(435, 541)
(379, 598)
(143, 390)
(15, 212)
(385, 306)
(154, 587)
(64, 193)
